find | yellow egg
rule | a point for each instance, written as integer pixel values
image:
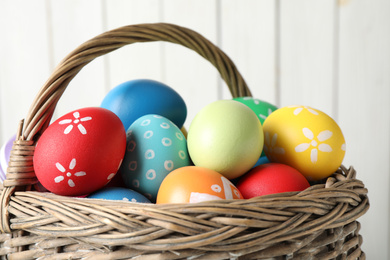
(305, 138)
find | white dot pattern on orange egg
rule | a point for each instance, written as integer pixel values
(216, 188)
(306, 139)
(228, 190)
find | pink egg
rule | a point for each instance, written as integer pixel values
(80, 152)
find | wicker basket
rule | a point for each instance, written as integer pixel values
(317, 223)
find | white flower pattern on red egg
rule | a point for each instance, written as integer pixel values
(112, 175)
(68, 174)
(318, 145)
(77, 121)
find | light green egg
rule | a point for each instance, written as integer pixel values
(225, 136)
(261, 108)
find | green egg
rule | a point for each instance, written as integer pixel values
(225, 136)
(261, 108)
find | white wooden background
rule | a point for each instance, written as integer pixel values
(332, 55)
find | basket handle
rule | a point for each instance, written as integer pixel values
(20, 172)
(43, 106)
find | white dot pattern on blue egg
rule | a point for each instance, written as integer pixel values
(155, 147)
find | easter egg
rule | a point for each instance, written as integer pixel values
(155, 147)
(262, 160)
(133, 99)
(118, 193)
(195, 184)
(225, 136)
(2, 175)
(80, 152)
(116, 181)
(5, 153)
(305, 138)
(271, 178)
(261, 108)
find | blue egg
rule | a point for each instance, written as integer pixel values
(155, 147)
(119, 193)
(133, 99)
(262, 160)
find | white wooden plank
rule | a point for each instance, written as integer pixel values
(364, 111)
(72, 23)
(24, 62)
(138, 60)
(193, 77)
(248, 38)
(307, 53)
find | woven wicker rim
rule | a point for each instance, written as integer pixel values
(208, 226)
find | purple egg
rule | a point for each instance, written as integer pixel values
(2, 175)
(5, 153)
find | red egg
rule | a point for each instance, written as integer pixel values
(80, 152)
(271, 178)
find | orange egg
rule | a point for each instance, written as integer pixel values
(195, 184)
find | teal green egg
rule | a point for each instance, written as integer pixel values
(225, 136)
(155, 147)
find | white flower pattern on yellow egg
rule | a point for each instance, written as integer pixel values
(270, 147)
(68, 174)
(299, 109)
(317, 145)
(77, 121)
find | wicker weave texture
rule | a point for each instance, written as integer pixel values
(317, 223)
